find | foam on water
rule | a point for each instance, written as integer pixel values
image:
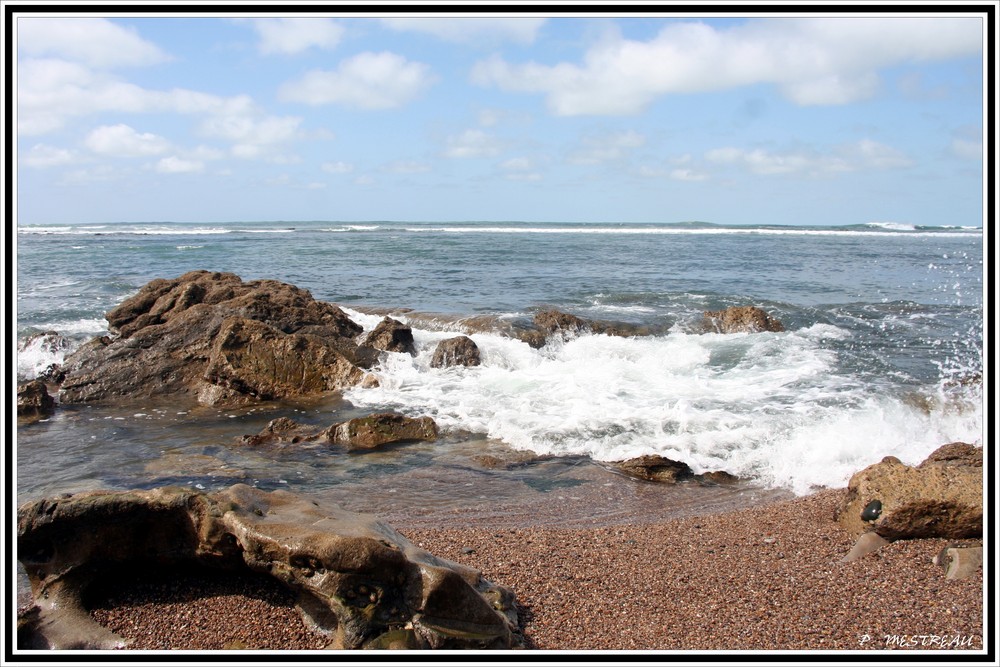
(771, 407)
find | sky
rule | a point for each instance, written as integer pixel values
(820, 119)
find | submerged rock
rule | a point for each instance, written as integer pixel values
(219, 339)
(740, 319)
(941, 497)
(356, 579)
(654, 468)
(458, 351)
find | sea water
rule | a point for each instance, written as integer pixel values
(882, 354)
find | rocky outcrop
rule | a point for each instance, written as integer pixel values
(458, 351)
(941, 497)
(391, 336)
(217, 338)
(381, 429)
(34, 401)
(355, 578)
(740, 319)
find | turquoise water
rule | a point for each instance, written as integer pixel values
(884, 327)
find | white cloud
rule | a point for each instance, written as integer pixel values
(50, 91)
(520, 169)
(684, 174)
(41, 156)
(472, 143)
(861, 155)
(967, 144)
(294, 35)
(366, 81)
(252, 135)
(467, 30)
(123, 141)
(606, 148)
(176, 165)
(337, 167)
(812, 61)
(96, 42)
(408, 167)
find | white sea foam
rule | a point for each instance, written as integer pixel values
(895, 226)
(658, 230)
(769, 407)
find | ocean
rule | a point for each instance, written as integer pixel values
(882, 354)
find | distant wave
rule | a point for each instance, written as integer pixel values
(187, 229)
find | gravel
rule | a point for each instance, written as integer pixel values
(768, 577)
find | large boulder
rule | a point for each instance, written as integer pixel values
(941, 497)
(219, 339)
(458, 351)
(33, 401)
(355, 578)
(382, 429)
(655, 468)
(740, 319)
(391, 336)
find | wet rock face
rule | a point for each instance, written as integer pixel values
(655, 469)
(215, 337)
(354, 577)
(382, 429)
(391, 336)
(34, 401)
(740, 319)
(458, 351)
(941, 497)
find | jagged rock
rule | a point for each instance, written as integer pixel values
(941, 497)
(197, 335)
(392, 336)
(740, 319)
(552, 321)
(655, 468)
(382, 429)
(356, 578)
(717, 478)
(33, 401)
(284, 431)
(254, 359)
(458, 351)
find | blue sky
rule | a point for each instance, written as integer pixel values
(756, 119)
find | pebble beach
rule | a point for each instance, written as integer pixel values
(763, 578)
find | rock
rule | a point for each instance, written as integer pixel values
(198, 335)
(960, 561)
(458, 351)
(740, 319)
(254, 359)
(382, 429)
(554, 321)
(355, 578)
(655, 468)
(34, 401)
(866, 544)
(391, 336)
(941, 497)
(284, 431)
(717, 478)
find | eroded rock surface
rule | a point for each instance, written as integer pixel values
(382, 429)
(217, 338)
(34, 401)
(740, 319)
(941, 497)
(391, 336)
(457, 351)
(355, 578)
(655, 468)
